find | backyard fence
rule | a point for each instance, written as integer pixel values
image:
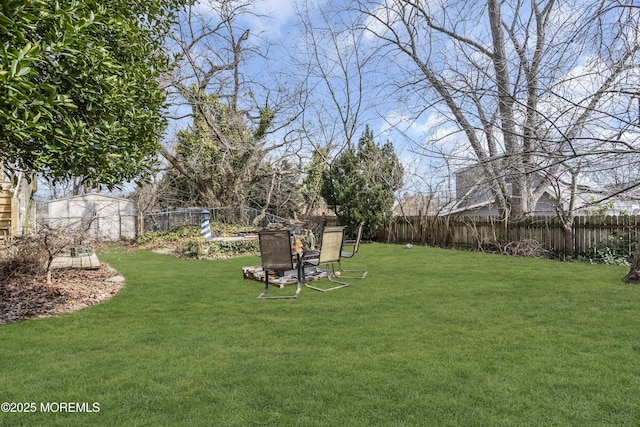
(588, 235)
(477, 232)
(166, 220)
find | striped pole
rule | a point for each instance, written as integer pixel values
(205, 227)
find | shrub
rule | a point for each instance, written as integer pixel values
(33, 255)
(616, 250)
(195, 247)
(160, 238)
(24, 256)
(233, 248)
(198, 248)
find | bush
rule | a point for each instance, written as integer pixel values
(198, 248)
(234, 248)
(195, 247)
(616, 250)
(185, 232)
(33, 255)
(159, 238)
(24, 256)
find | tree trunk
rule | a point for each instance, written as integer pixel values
(633, 276)
(569, 246)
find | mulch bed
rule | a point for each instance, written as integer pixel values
(28, 297)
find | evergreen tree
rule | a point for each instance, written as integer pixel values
(360, 183)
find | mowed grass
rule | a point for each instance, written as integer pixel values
(430, 337)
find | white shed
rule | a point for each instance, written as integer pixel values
(107, 217)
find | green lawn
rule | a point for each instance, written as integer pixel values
(430, 337)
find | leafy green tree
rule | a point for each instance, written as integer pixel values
(360, 184)
(79, 87)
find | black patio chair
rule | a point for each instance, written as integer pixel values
(276, 255)
(353, 245)
(329, 256)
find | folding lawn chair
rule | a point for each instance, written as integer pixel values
(329, 255)
(354, 245)
(276, 255)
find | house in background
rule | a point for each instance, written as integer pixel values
(474, 197)
(17, 208)
(105, 218)
(419, 204)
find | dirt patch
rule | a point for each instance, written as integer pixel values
(28, 297)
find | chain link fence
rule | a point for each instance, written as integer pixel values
(169, 219)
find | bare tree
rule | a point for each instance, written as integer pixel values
(500, 71)
(338, 73)
(34, 254)
(231, 113)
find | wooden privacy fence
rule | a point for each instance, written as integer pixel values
(589, 232)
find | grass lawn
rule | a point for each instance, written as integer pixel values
(430, 337)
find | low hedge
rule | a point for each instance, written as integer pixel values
(198, 247)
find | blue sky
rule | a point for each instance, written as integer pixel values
(420, 139)
(427, 141)
(276, 24)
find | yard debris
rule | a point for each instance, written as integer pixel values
(23, 300)
(27, 297)
(257, 273)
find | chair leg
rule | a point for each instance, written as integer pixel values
(362, 275)
(266, 288)
(266, 285)
(330, 276)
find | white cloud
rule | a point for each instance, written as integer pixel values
(271, 17)
(378, 20)
(434, 129)
(280, 10)
(268, 18)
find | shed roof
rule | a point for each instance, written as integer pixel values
(92, 196)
